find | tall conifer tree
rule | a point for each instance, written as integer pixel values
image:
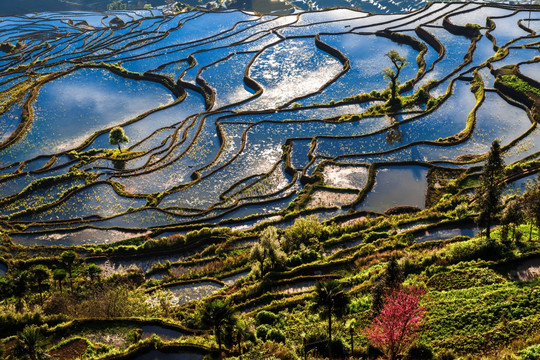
(489, 192)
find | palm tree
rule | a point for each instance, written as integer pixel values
(20, 288)
(218, 315)
(41, 274)
(59, 275)
(351, 325)
(29, 344)
(330, 299)
(7, 288)
(68, 258)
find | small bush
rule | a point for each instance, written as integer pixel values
(485, 249)
(419, 352)
(374, 235)
(275, 335)
(262, 331)
(320, 344)
(462, 210)
(530, 353)
(134, 336)
(446, 355)
(373, 352)
(266, 317)
(360, 304)
(303, 256)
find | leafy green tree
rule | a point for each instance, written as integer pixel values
(399, 63)
(240, 333)
(219, 316)
(20, 288)
(116, 5)
(117, 137)
(41, 274)
(30, 344)
(7, 287)
(68, 259)
(305, 231)
(59, 275)
(330, 300)
(351, 326)
(513, 214)
(389, 281)
(489, 191)
(268, 251)
(93, 271)
(531, 201)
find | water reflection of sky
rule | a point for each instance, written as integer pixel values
(182, 140)
(397, 186)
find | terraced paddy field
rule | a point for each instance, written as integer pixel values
(266, 154)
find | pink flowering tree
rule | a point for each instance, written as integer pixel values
(396, 327)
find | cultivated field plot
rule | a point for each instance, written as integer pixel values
(235, 118)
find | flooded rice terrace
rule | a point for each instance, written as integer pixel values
(232, 114)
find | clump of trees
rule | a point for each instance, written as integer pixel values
(511, 216)
(519, 209)
(515, 210)
(306, 231)
(298, 244)
(116, 5)
(267, 252)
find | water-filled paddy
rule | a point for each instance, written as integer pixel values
(444, 233)
(75, 238)
(366, 54)
(70, 109)
(3, 269)
(520, 186)
(193, 163)
(189, 292)
(164, 333)
(531, 70)
(397, 186)
(349, 177)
